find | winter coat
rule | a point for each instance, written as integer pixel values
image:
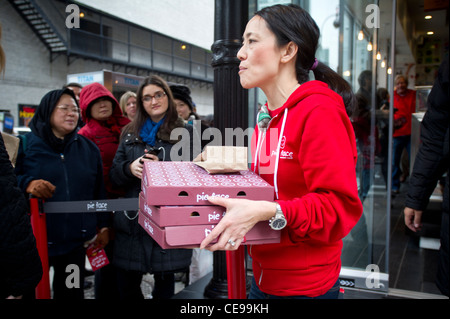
(74, 166)
(20, 265)
(105, 135)
(134, 249)
(432, 159)
(308, 154)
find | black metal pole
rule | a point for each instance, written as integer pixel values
(230, 100)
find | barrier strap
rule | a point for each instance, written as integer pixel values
(92, 206)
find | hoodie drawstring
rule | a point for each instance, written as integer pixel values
(280, 138)
(261, 137)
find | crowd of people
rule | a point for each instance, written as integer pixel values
(93, 147)
(85, 145)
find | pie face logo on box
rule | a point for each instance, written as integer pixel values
(208, 231)
(215, 217)
(203, 196)
(148, 226)
(148, 210)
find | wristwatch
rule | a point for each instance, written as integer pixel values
(278, 222)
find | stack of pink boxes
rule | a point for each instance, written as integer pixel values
(174, 207)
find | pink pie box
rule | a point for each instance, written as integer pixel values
(164, 216)
(191, 236)
(185, 183)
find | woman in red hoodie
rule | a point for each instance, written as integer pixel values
(304, 145)
(104, 121)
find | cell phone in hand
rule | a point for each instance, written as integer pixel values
(153, 150)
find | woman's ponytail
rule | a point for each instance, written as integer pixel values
(336, 83)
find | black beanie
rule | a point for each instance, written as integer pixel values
(183, 93)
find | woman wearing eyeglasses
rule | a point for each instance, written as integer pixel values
(56, 164)
(155, 134)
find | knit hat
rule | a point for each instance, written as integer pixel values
(183, 93)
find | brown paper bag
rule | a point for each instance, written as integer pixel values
(12, 146)
(223, 159)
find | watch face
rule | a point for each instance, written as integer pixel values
(278, 223)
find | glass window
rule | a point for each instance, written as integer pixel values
(162, 53)
(347, 47)
(140, 37)
(162, 44)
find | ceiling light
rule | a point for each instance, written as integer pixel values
(428, 17)
(430, 32)
(378, 56)
(369, 47)
(361, 35)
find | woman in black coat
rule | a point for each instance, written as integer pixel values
(56, 164)
(135, 252)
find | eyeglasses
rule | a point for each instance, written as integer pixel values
(66, 109)
(158, 96)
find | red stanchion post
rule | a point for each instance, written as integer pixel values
(237, 287)
(38, 222)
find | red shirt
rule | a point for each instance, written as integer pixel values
(316, 188)
(406, 106)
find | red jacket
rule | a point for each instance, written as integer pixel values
(406, 106)
(315, 184)
(106, 135)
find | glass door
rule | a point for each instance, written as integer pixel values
(364, 58)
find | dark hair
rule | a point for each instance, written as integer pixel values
(141, 115)
(365, 75)
(292, 23)
(73, 84)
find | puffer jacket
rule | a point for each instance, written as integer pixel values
(105, 135)
(134, 249)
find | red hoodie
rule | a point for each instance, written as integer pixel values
(315, 183)
(106, 135)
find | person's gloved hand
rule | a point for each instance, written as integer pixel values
(41, 188)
